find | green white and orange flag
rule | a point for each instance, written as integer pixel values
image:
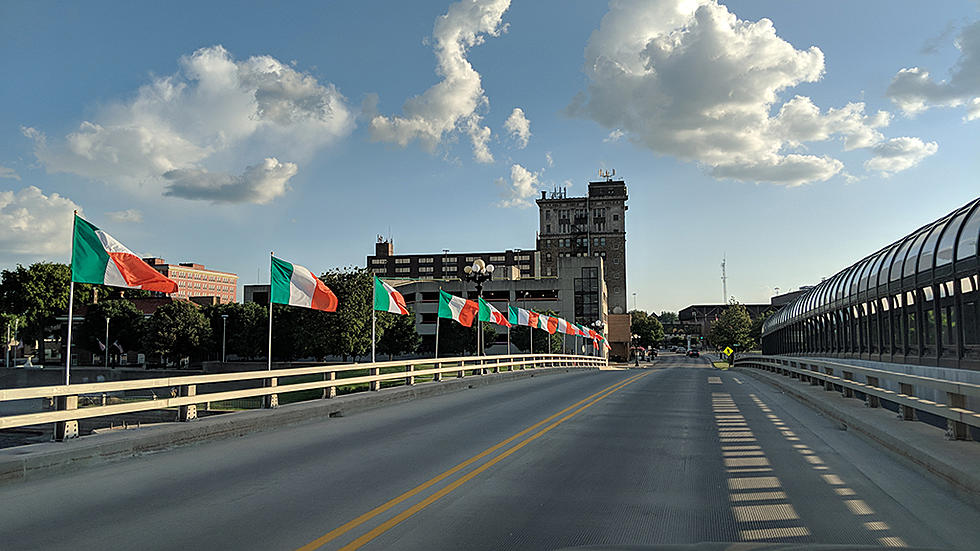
(489, 313)
(387, 299)
(457, 308)
(96, 257)
(295, 285)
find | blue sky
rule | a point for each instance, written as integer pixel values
(216, 132)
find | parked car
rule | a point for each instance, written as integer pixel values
(692, 353)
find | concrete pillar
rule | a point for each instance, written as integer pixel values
(496, 368)
(956, 430)
(330, 391)
(65, 430)
(375, 385)
(828, 385)
(906, 413)
(869, 400)
(271, 401)
(847, 392)
(188, 412)
(410, 380)
(461, 373)
(438, 376)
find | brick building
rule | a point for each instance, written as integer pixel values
(194, 280)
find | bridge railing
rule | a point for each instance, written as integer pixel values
(185, 392)
(855, 381)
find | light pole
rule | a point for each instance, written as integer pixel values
(634, 301)
(224, 333)
(598, 326)
(478, 273)
(107, 342)
(636, 353)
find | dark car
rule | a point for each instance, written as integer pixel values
(693, 353)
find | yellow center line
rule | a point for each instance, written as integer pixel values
(385, 526)
(341, 530)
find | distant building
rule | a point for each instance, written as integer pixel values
(194, 280)
(593, 225)
(258, 294)
(385, 263)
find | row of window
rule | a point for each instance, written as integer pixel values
(202, 277)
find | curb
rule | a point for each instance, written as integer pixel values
(964, 483)
(36, 461)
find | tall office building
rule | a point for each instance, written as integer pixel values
(594, 225)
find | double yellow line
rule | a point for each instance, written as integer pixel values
(380, 529)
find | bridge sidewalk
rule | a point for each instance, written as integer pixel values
(955, 463)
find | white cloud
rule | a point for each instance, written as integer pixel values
(214, 110)
(614, 136)
(450, 105)
(519, 127)
(521, 189)
(128, 215)
(35, 225)
(913, 89)
(691, 80)
(898, 154)
(8, 173)
(259, 183)
(548, 159)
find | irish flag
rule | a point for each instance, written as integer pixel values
(387, 299)
(520, 316)
(457, 308)
(96, 257)
(548, 323)
(489, 313)
(295, 285)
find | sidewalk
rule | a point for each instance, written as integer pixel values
(954, 462)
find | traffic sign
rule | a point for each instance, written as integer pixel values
(728, 351)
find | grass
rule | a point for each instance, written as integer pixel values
(720, 365)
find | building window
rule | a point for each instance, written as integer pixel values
(498, 259)
(425, 260)
(403, 261)
(522, 257)
(615, 218)
(425, 269)
(525, 267)
(402, 270)
(470, 258)
(547, 258)
(547, 271)
(449, 259)
(547, 215)
(378, 262)
(547, 228)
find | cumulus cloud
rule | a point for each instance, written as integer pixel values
(914, 90)
(213, 109)
(521, 189)
(8, 173)
(35, 225)
(519, 127)
(692, 80)
(451, 105)
(259, 183)
(128, 215)
(898, 154)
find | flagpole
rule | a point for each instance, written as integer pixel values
(71, 301)
(508, 340)
(437, 335)
(271, 254)
(374, 301)
(530, 331)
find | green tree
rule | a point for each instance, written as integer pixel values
(755, 332)
(456, 340)
(126, 326)
(520, 337)
(177, 330)
(247, 329)
(346, 332)
(732, 328)
(648, 327)
(667, 317)
(399, 335)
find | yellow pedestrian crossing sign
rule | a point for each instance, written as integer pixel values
(728, 351)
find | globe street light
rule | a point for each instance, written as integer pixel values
(224, 333)
(598, 325)
(478, 273)
(636, 350)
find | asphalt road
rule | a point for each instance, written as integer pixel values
(679, 453)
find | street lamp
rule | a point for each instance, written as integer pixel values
(636, 352)
(107, 342)
(598, 327)
(478, 273)
(224, 333)
(634, 301)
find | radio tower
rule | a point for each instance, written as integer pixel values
(724, 281)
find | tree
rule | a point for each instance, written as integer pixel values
(247, 328)
(732, 328)
(126, 325)
(520, 338)
(755, 332)
(667, 317)
(399, 335)
(648, 327)
(177, 330)
(346, 332)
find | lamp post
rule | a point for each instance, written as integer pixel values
(598, 327)
(478, 273)
(634, 301)
(224, 334)
(107, 343)
(636, 353)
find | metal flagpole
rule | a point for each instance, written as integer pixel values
(437, 334)
(530, 331)
(374, 301)
(508, 339)
(107, 343)
(71, 301)
(271, 254)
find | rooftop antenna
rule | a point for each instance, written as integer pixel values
(607, 174)
(724, 280)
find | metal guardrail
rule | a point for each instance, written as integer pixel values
(184, 390)
(840, 377)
